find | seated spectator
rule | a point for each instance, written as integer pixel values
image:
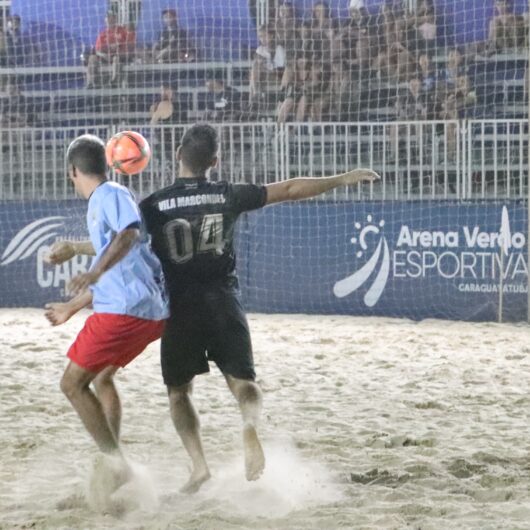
(349, 34)
(346, 92)
(506, 30)
(14, 111)
(286, 28)
(425, 26)
(394, 64)
(173, 45)
(266, 71)
(321, 19)
(292, 90)
(316, 97)
(114, 46)
(165, 111)
(458, 103)
(224, 102)
(323, 34)
(427, 72)
(455, 68)
(415, 104)
(20, 51)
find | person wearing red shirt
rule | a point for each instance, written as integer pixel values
(115, 46)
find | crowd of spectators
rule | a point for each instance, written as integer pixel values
(317, 69)
(326, 69)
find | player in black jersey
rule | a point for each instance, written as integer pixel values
(192, 227)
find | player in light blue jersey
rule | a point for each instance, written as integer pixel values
(125, 286)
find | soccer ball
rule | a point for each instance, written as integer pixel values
(128, 152)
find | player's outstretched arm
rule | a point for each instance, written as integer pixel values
(117, 250)
(58, 313)
(62, 251)
(306, 187)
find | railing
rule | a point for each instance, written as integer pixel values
(417, 160)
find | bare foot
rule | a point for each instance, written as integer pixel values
(108, 475)
(196, 480)
(254, 457)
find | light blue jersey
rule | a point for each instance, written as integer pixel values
(135, 285)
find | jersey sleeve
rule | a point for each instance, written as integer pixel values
(120, 210)
(248, 197)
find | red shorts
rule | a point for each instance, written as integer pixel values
(112, 340)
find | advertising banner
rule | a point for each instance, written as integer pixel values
(418, 260)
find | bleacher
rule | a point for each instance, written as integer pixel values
(498, 81)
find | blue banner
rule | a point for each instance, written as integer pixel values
(417, 260)
(429, 259)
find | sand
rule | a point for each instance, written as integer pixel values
(368, 424)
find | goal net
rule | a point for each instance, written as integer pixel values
(432, 94)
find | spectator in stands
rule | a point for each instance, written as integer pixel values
(458, 103)
(19, 48)
(266, 72)
(323, 34)
(286, 27)
(173, 45)
(114, 46)
(506, 30)
(455, 68)
(394, 64)
(292, 90)
(321, 19)
(427, 72)
(416, 104)
(425, 25)
(315, 102)
(350, 35)
(224, 102)
(14, 111)
(346, 92)
(165, 111)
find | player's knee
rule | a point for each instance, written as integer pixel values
(179, 393)
(246, 391)
(69, 386)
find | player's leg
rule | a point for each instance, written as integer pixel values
(231, 348)
(182, 357)
(249, 397)
(187, 424)
(75, 385)
(109, 398)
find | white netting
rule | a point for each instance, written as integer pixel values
(432, 94)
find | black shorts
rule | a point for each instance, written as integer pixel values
(207, 323)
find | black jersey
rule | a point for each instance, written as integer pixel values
(192, 226)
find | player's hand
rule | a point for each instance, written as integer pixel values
(60, 252)
(81, 282)
(58, 313)
(360, 175)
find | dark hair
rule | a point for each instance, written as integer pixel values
(325, 5)
(87, 153)
(199, 148)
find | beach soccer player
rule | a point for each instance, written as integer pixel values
(192, 223)
(125, 286)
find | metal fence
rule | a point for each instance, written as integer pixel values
(417, 160)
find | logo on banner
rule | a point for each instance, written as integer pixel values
(30, 238)
(471, 257)
(34, 240)
(380, 260)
